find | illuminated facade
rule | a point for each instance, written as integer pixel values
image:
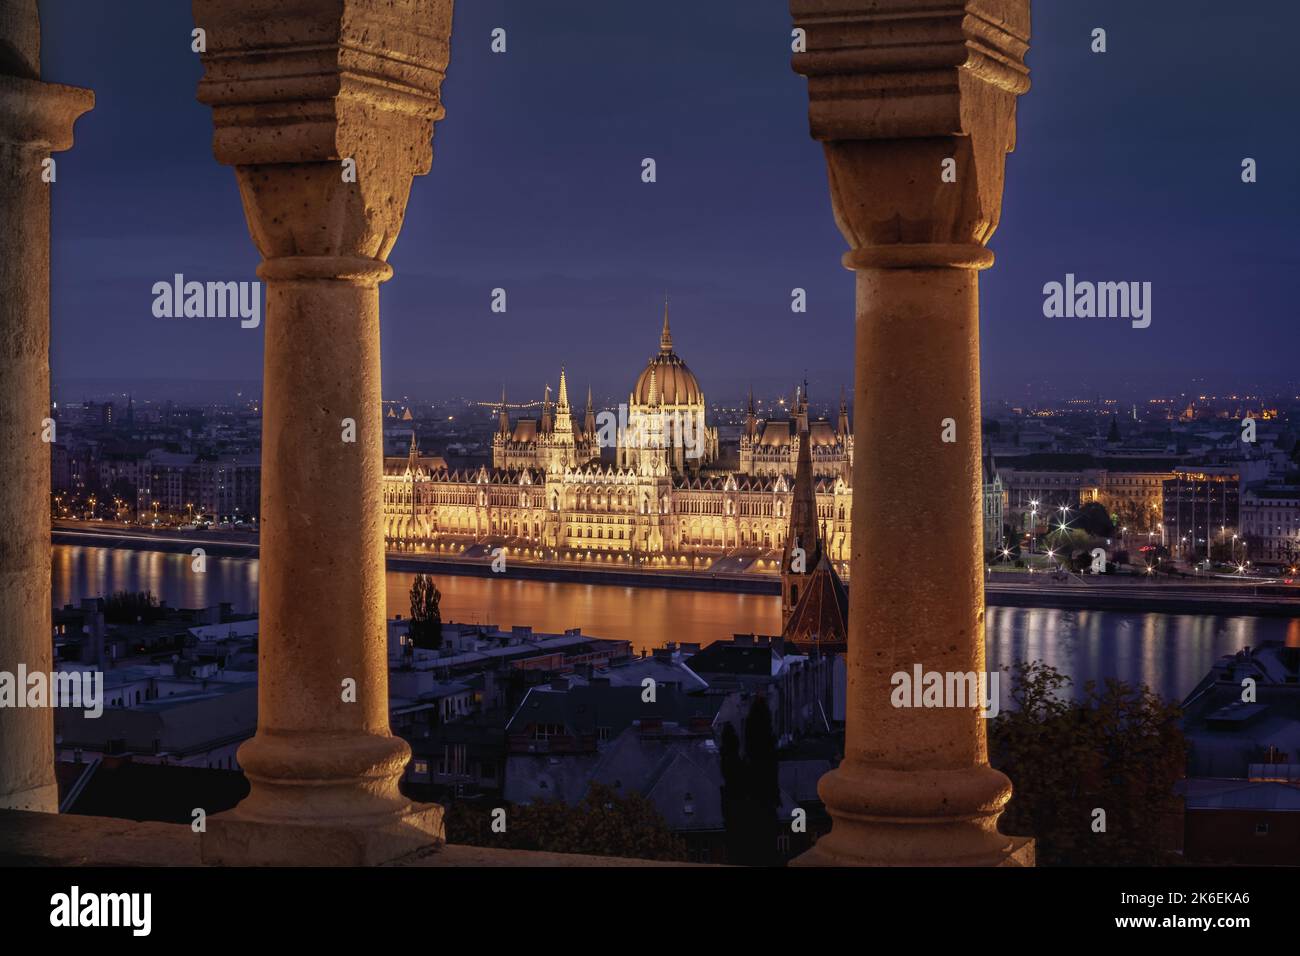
(663, 499)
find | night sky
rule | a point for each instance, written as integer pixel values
(1127, 168)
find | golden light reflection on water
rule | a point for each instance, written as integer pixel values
(1168, 652)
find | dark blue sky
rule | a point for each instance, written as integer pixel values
(1127, 168)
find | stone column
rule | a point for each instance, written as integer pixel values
(326, 110)
(914, 102)
(36, 119)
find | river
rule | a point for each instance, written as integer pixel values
(1169, 653)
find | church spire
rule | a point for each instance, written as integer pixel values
(413, 456)
(589, 426)
(803, 506)
(563, 419)
(666, 336)
(503, 423)
(802, 533)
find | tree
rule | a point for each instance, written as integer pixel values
(1132, 515)
(1118, 749)
(1112, 437)
(127, 607)
(1094, 520)
(751, 795)
(426, 616)
(602, 824)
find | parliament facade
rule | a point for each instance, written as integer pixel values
(659, 496)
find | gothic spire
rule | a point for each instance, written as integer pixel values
(666, 336)
(803, 504)
(563, 404)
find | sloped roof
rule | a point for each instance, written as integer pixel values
(525, 430)
(582, 709)
(820, 619)
(681, 776)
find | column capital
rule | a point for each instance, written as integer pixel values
(40, 115)
(895, 87)
(297, 87)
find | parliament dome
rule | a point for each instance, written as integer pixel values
(674, 382)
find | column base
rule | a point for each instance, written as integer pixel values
(1018, 852)
(888, 817)
(237, 838)
(42, 799)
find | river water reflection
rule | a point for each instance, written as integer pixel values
(1168, 652)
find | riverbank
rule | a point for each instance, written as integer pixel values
(1118, 593)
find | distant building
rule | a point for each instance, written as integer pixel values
(1202, 508)
(228, 487)
(1270, 525)
(664, 499)
(1130, 487)
(993, 496)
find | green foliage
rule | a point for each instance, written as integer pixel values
(1131, 515)
(603, 824)
(1119, 748)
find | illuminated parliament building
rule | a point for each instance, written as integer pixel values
(660, 496)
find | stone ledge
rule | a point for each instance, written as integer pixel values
(49, 839)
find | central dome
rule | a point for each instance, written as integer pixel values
(674, 383)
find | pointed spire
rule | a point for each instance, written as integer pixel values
(563, 418)
(844, 414)
(990, 464)
(563, 404)
(503, 423)
(666, 336)
(589, 426)
(546, 408)
(413, 456)
(654, 388)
